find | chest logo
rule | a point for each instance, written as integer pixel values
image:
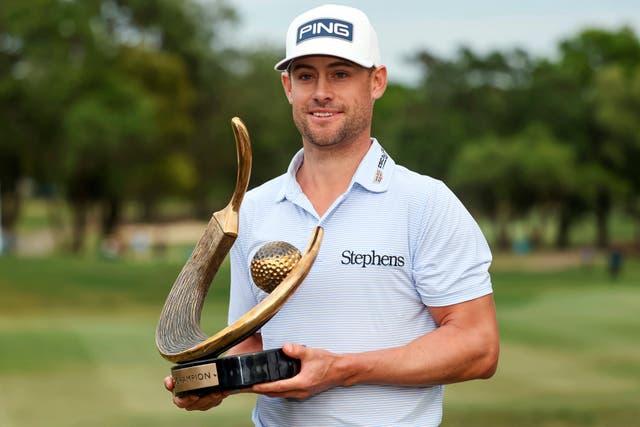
(371, 258)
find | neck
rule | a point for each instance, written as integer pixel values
(327, 171)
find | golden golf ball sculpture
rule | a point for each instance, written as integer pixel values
(271, 264)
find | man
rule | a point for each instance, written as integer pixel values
(399, 300)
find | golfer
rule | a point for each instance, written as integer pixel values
(399, 300)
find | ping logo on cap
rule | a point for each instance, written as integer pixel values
(326, 27)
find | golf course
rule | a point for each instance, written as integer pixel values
(77, 345)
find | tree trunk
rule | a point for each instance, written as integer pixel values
(111, 215)
(148, 212)
(564, 225)
(80, 210)
(536, 236)
(503, 215)
(11, 202)
(603, 209)
(56, 221)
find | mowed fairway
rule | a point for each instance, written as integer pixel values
(77, 348)
(570, 353)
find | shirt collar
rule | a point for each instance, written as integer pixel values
(374, 172)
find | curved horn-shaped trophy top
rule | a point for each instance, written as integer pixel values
(178, 329)
(179, 337)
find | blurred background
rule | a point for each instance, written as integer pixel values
(116, 147)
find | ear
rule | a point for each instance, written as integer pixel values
(379, 81)
(286, 85)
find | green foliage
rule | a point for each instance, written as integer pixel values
(593, 49)
(109, 92)
(617, 96)
(524, 171)
(461, 99)
(392, 121)
(472, 122)
(114, 101)
(259, 99)
(583, 58)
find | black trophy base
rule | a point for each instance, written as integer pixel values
(239, 371)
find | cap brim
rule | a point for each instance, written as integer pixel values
(284, 64)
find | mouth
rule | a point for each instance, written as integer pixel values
(323, 114)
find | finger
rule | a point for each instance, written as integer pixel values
(186, 401)
(168, 383)
(281, 386)
(207, 402)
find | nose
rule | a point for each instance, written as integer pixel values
(322, 92)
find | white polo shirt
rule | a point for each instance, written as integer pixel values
(394, 243)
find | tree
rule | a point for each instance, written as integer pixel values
(581, 59)
(617, 109)
(158, 164)
(29, 102)
(460, 100)
(101, 86)
(507, 177)
(260, 100)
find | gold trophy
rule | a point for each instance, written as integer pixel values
(277, 268)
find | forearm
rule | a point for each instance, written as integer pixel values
(440, 357)
(462, 348)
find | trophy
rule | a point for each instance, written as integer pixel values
(278, 268)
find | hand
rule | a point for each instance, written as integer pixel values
(318, 373)
(192, 402)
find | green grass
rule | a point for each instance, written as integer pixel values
(570, 353)
(77, 348)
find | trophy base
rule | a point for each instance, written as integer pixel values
(239, 371)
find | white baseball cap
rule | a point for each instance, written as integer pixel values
(333, 30)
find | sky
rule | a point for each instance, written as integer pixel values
(441, 27)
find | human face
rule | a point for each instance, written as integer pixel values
(332, 99)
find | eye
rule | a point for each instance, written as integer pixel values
(340, 75)
(304, 76)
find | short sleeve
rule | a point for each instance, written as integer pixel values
(452, 258)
